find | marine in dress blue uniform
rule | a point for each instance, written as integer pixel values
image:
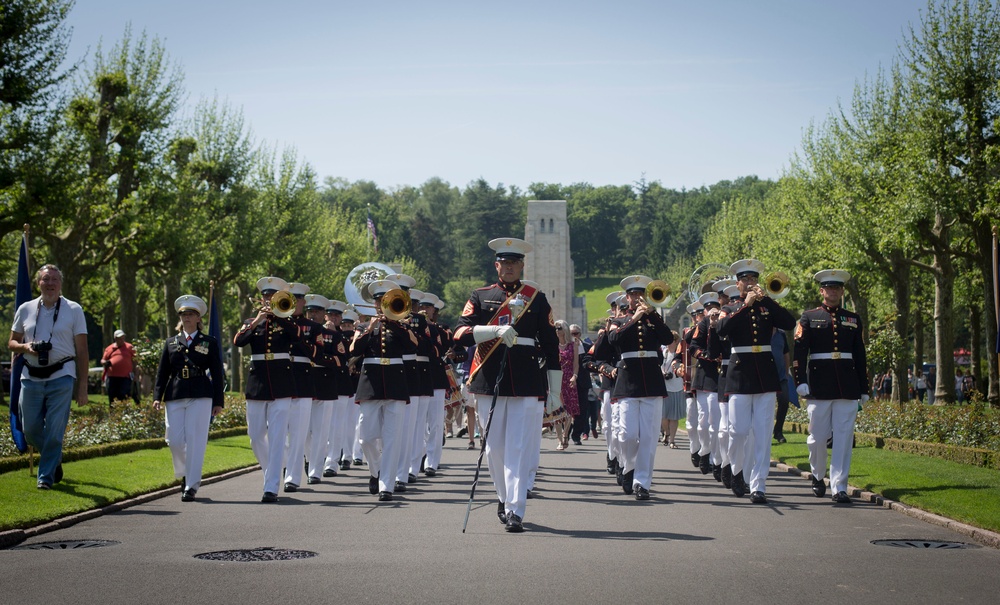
(697, 312)
(831, 371)
(509, 319)
(639, 385)
(602, 362)
(329, 351)
(752, 379)
(303, 351)
(705, 385)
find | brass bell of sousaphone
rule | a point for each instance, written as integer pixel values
(356, 285)
(395, 304)
(776, 284)
(282, 304)
(657, 292)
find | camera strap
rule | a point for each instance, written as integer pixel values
(38, 315)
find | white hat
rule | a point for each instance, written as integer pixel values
(745, 266)
(415, 295)
(272, 284)
(439, 304)
(380, 287)
(119, 333)
(613, 296)
(315, 301)
(732, 291)
(335, 306)
(709, 298)
(695, 307)
(429, 299)
(298, 289)
(635, 282)
(349, 316)
(832, 277)
(188, 302)
(721, 285)
(509, 247)
(622, 301)
(405, 281)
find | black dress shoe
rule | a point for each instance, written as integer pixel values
(705, 465)
(462, 432)
(513, 524)
(373, 485)
(529, 494)
(188, 495)
(819, 486)
(758, 498)
(329, 472)
(727, 476)
(641, 493)
(430, 472)
(358, 462)
(312, 480)
(269, 497)
(627, 482)
(291, 487)
(780, 438)
(841, 498)
(400, 487)
(618, 474)
(345, 465)
(696, 459)
(611, 465)
(411, 478)
(384, 496)
(577, 442)
(58, 474)
(717, 472)
(739, 486)
(501, 513)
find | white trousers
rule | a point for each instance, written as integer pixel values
(409, 422)
(318, 435)
(435, 429)
(356, 451)
(187, 423)
(831, 417)
(507, 448)
(752, 414)
(724, 431)
(267, 424)
(418, 447)
(380, 427)
(609, 437)
(616, 432)
(691, 424)
(640, 419)
(298, 427)
(342, 427)
(534, 442)
(708, 425)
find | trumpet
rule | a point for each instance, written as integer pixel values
(657, 292)
(776, 285)
(282, 304)
(396, 304)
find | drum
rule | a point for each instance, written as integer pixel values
(453, 395)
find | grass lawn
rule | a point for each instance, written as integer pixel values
(969, 494)
(595, 289)
(96, 482)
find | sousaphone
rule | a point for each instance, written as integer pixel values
(356, 285)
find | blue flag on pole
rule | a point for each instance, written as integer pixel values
(22, 296)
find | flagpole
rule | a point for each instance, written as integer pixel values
(996, 293)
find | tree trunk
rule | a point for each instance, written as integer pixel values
(984, 260)
(901, 295)
(918, 339)
(976, 345)
(944, 313)
(127, 267)
(171, 291)
(108, 329)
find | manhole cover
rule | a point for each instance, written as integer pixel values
(922, 544)
(256, 554)
(66, 545)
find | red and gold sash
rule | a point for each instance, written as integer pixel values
(503, 317)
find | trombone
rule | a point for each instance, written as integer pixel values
(282, 304)
(396, 304)
(657, 292)
(776, 285)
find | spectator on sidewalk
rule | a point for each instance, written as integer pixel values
(119, 364)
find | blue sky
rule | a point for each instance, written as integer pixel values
(685, 93)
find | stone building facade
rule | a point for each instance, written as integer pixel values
(549, 263)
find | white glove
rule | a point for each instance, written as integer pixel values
(554, 401)
(802, 390)
(505, 333)
(864, 399)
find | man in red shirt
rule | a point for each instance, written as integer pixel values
(118, 364)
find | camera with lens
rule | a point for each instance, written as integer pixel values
(42, 349)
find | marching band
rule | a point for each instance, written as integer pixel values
(329, 389)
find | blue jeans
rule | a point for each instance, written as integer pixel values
(45, 413)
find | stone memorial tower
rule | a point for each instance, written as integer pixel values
(549, 263)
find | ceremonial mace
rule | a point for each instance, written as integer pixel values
(486, 434)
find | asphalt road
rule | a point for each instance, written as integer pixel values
(693, 542)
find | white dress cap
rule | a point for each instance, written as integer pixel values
(190, 302)
(272, 284)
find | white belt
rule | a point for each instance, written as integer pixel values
(269, 356)
(834, 355)
(410, 357)
(423, 358)
(382, 361)
(753, 349)
(725, 362)
(528, 342)
(639, 354)
(298, 359)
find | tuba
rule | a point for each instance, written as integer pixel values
(396, 304)
(657, 292)
(703, 277)
(776, 284)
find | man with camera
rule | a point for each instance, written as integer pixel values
(51, 332)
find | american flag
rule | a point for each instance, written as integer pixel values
(372, 236)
